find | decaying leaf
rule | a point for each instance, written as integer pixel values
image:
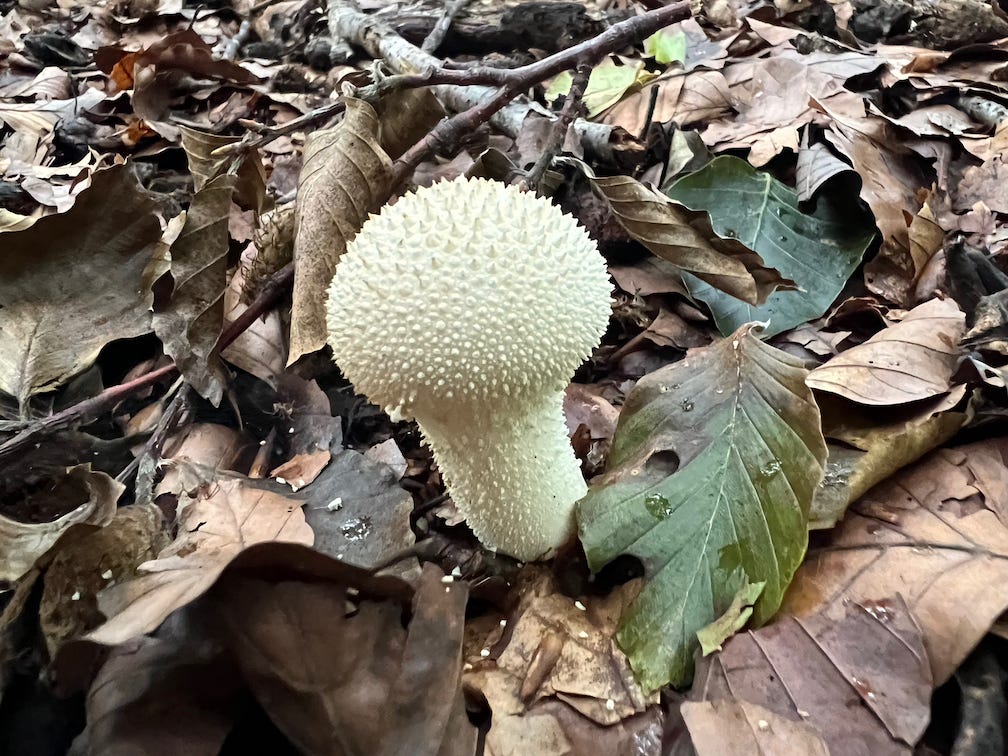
(82, 496)
(344, 177)
(65, 294)
(710, 477)
(191, 323)
(222, 519)
(250, 186)
(911, 360)
(554, 679)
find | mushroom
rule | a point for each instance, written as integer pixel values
(467, 306)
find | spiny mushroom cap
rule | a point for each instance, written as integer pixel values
(466, 291)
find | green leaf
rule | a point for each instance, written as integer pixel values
(607, 84)
(711, 473)
(738, 613)
(666, 46)
(819, 251)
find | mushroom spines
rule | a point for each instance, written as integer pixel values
(426, 280)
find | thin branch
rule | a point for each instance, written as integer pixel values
(444, 22)
(515, 80)
(572, 108)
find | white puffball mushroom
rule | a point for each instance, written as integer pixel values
(468, 305)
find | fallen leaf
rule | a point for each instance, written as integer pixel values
(911, 360)
(554, 680)
(82, 496)
(191, 323)
(335, 681)
(740, 728)
(71, 283)
(710, 477)
(344, 177)
(221, 520)
(936, 534)
(818, 250)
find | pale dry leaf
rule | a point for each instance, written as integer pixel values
(911, 360)
(345, 176)
(261, 349)
(224, 518)
(190, 325)
(740, 728)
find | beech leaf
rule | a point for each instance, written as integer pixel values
(712, 470)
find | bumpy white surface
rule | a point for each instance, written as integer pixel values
(467, 306)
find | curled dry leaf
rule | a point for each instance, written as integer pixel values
(223, 518)
(911, 360)
(555, 681)
(685, 238)
(64, 295)
(22, 543)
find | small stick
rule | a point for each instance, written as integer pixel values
(572, 108)
(444, 22)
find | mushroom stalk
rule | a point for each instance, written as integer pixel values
(512, 472)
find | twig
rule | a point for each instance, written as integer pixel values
(267, 134)
(235, 43)
(515, 80)
(444, 22)
(169, 421)
(572, 108)
(91, 409)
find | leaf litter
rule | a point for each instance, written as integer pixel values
(184, 470)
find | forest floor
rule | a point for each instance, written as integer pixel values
(795, 536)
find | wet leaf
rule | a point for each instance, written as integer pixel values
(710, 477)
(65, 294)
(819, 251)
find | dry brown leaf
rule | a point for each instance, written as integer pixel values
(352, 682)
(685, 237)
(250, 188)
(146, 677)
(344, 177)
(740, 728)
(71, 283)
(191, 323)
(911, 360)
(223, 519)
(936, 534)
(652, 275)
(555, 680)
(855, 672)
(90, 498)
(301, 469)
(872, 446)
